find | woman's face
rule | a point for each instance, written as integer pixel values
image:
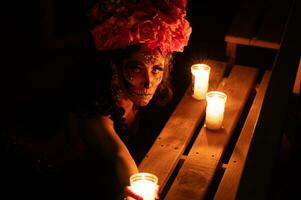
(143, 72)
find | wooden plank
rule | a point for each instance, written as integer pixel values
(231, 49)
(202, 161)
(272, 25)
(238, 39)
(230, 181)
(244, 25)
(297, 84)
(168, 148)
(258, 182)
(264, 44)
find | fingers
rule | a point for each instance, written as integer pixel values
(157, 193)
(129, 193)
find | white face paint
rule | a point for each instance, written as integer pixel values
(143, 72)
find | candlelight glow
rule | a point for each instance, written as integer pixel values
(200, 79)
(145, 185)
(215, 109)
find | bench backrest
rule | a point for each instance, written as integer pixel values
(259, 23)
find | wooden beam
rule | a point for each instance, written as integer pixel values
(297, 83)
(228, 186)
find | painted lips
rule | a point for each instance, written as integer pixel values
(142, 94)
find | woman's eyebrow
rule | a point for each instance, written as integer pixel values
(131, 63)
(160, 67)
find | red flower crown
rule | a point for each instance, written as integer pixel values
(156, 24)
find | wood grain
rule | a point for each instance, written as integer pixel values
(230, 181)
(197, 172)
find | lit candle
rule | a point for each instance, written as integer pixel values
(145, 185)
(200, 79)
(215, 109)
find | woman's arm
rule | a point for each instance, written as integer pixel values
(100, 134)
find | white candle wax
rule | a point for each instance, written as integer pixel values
(145, 185)
(200, 79)
(215, 109)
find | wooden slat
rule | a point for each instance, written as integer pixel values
(231, 49)
(202, 161)
(264, 44)
(166, 151)
(230, 181)
(272, 25)
(244, 25)
(238, 39)
(297, 84)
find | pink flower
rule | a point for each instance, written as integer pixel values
(111, 34)
(167, 31)
(144, 32)
(181, 36)
(179, 3)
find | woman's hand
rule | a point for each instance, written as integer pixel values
(131, 195)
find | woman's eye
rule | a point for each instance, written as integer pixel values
(157, 70)
(136, 69)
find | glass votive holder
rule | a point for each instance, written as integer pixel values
(200, 80)
(145, 185)
(215, 109)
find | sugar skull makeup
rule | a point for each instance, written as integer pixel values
(143, 72)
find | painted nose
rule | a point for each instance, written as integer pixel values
(147, 80)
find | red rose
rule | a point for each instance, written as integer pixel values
(144, 32)
(179, 3)
(181, 36)
(164, 29)
(111, 34)
(101, 35)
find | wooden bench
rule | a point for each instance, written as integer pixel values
(187, 157)
(258, 23)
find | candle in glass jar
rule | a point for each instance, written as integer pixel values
(215, 109)
(200, 80)
(145, 185)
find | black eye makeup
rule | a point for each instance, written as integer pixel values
(134, 66)
(157, 69)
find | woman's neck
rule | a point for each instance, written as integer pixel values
(129, 108)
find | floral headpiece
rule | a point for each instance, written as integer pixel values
(154, 23)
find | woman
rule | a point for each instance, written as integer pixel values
(95, 154)
(137, 39)
(140, 37)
